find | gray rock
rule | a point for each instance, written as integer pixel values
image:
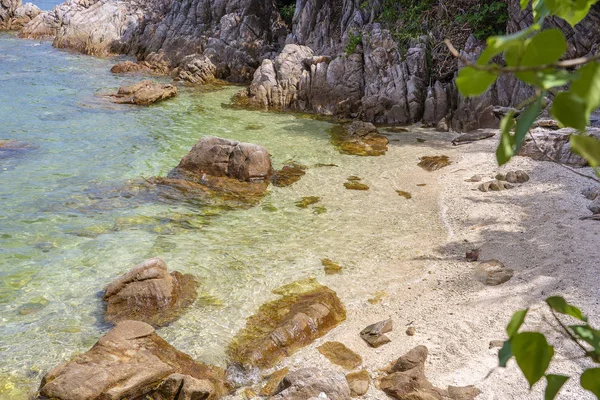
(374, 334)
(495, 186)
(311, 382)
(493, 273)
(554, 145)
(594, 206)
(590, 193)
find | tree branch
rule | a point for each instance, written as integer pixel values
(497, 69)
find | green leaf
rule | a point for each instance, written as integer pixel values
(526, 119)
(515, 322)
(555, 382)
(587, 147)
(573, 108)
(499, 44)
(533, 354)
(546, 47)
(590, 380)
(505, 354)
(524, 4)
(571, 11)
(504, 152)
(569, 110)
(540, 10)
(588, 335)
(560, 305)
(550, 79)
(472, 82)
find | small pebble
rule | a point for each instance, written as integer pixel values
(411, 331)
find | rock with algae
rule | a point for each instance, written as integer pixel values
(330, 267)
(144, 93)
(131, 361)
(433, 163)
(289, 174)
(359, 139)
(404, 194)
(308, 201)
(306, 311)
(150, 294)
(341, 355)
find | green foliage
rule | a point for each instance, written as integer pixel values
(486, 19)
(534, 355)
(287, 13)
(353, 41)
(533, 55)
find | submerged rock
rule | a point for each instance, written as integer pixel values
(309, 383)
(150, 294)
(433, 163)
(330, 267)
(305, 312)
(404, 194)
(341, 355)
(360, 139)
(289, 174)
(275, 382)
(132, 361)
(374, 334)
(308, 201)
(354, 185)
(493, 273)
(144, 93)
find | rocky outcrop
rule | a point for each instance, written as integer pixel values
(14, 15)
(144, 93)
(219, 157)
(305, 312)
(547, 145)
(132, 362)
(148, 293)
(406, 380)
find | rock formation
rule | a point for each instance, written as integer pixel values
(132, 361)
(144, 93)
(306, 312)
(14, 15)
(150, 294)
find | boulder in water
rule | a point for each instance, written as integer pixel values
(144, 93)
(150, 294)
(131, 361)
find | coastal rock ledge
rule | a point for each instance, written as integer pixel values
(14, 15)
(131, 362)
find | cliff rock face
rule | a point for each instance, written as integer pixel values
(14, 15)
(335, 59)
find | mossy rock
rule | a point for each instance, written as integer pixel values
(404, 194)
(372, 144)
(353, 185)
(330, 267)
(289, 174)
(308, 201)
(433, 163)
(305, 312)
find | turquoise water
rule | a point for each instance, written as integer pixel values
(69, 224)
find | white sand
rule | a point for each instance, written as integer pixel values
(533, 229)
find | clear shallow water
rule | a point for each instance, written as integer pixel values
(63, 237)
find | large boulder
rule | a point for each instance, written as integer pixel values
(305, 312)
(554, 145)
(150, 294)
(220, 157)
(131, 361)
(144, 93)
